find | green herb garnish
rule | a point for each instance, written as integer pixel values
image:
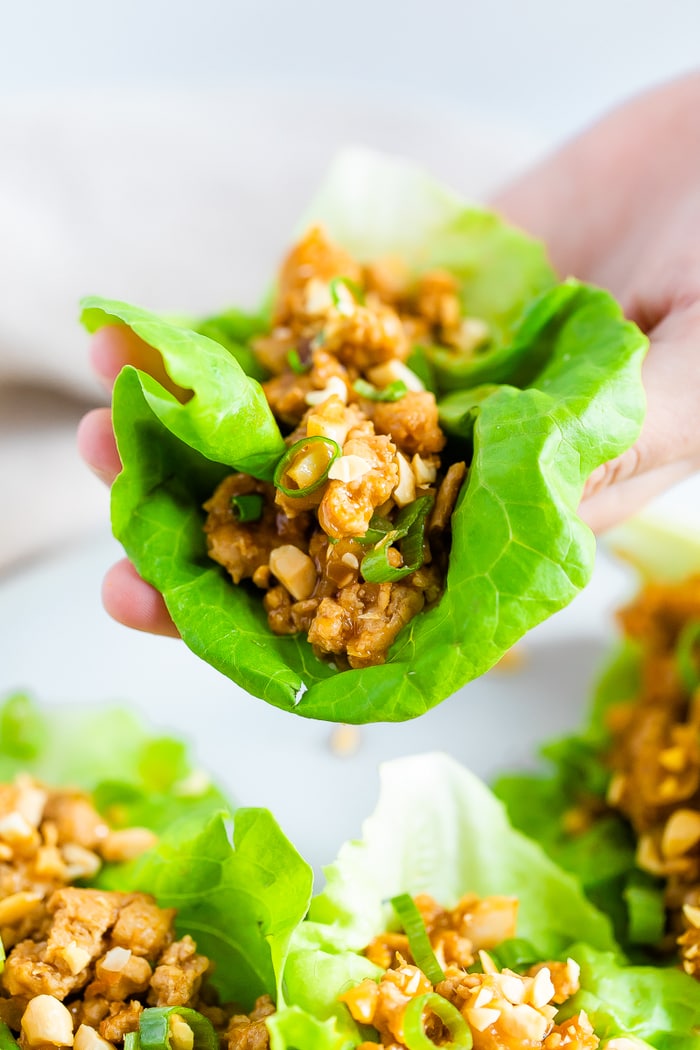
(305, 465)
(352, 286)
(409, 527)
(295, 362)
(414, 1031)
(156, 1028)
(248, 507)
(392, 392)
(414, 928)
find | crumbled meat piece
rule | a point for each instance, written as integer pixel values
(412, 422)
(363, 337)
(286, 396)
(363, 620)
(284, 615)
(250, 1032)
(76, 820)
(131, 978)
(437, 300)
(89, 1011)
(244, 547)
(347, 506)
(27, 974)
(122, 1019)
(312, 258)
(82, 919)
(177, 977)
(143, 927)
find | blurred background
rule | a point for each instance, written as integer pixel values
(162, 152)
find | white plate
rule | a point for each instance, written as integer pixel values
(58, 644)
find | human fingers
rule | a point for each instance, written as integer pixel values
(134, 603)
(616, 503)
(668, 448)
(97, 446)
(115, 346)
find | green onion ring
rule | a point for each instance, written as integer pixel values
(414, 1032)
(352, 286)
(333, 452)
(247, 507)
(295, 362)
(392, 392)
(414, 928)
(154, 1028)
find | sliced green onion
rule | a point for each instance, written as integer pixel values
(352, 286)
(295, 362)
(7, 1040)
(131, 1041)
(414, 928)
(378, 528)
(414, 1031)
(305, 465)
(688, 655)
(393, 392)
(516, 954)
(248, 507)
(155, 1032)
(409, 528)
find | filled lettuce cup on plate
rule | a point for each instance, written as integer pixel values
(135, 911)
(444, 926)
(620, 804)
(356, 500)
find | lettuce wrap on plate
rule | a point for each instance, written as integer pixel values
(196, 939)
(444, 904)
(403, 486)
(134, 910)
(620, 804)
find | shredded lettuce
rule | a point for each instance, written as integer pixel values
(559, 392)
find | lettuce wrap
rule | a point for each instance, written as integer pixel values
(568, 806)
(239, 886)
(554, 394)
(438, 829)
(244, 894)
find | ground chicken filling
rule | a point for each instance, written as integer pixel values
(655, 754)
(503, 1010)
(82, 964)
(351, 541)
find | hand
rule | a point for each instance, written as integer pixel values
(126, 597)
(620, 207)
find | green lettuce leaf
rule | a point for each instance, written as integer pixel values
(571, 399)
(438, 829)
(660, 1007)
(240, 895)
(602, 856)
(134, 776)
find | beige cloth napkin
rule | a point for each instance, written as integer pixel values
(173, 202)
